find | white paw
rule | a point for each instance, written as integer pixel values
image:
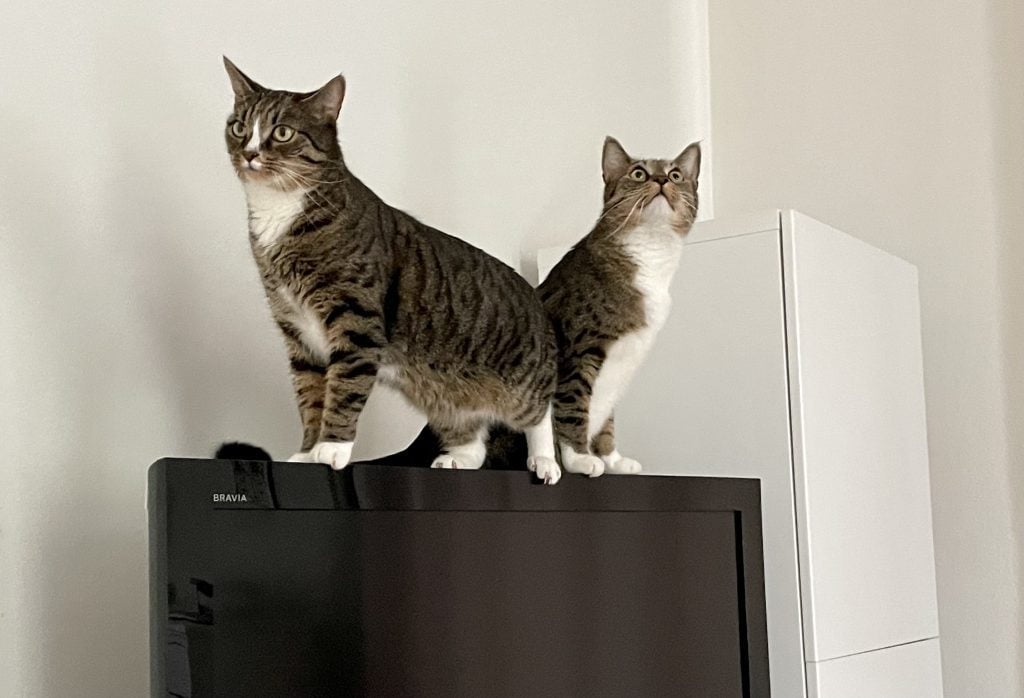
(583, 463)
(334, 453)
(301, 457)
(620, 465)
(546, 468)
(447, 461)
(457, 462)
(468, 456)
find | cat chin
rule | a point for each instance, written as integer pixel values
(249, 176)
(254, 171)
(262, 179)
(658, 209)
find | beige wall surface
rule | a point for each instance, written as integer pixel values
(900, 123)
(133, 322)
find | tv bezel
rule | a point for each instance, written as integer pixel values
(373, 487)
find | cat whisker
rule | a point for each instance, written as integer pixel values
(322, 205)
(306, 178)
(318, 200)
(611, 208)
(629, 215)
(316, 205)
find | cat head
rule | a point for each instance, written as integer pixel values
(283, 139)
(646, 190)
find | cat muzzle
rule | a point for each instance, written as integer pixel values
(253, 162)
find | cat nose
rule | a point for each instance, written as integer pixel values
(252, 160)
(660, 178)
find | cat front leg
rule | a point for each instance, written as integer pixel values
(540, 447)
(570, 429)
(308, 381)
(356, 337)
(603, 446)
(578, 369)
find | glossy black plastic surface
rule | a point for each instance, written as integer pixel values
(292, 580)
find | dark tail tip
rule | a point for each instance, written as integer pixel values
(236, 450)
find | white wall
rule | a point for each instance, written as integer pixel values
(133, 321)
(892, 121)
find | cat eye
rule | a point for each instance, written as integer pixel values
(639, 174)
(237, 129)
(676, 176)
(283, 134)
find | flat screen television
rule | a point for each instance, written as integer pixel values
(287, 579)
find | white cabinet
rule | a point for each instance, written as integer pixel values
(903, 671)
(793, 355)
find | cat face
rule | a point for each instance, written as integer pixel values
(282, 139)
(651, 190)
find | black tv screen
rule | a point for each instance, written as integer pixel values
(292, 580)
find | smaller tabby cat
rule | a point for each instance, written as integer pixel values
(609, 296)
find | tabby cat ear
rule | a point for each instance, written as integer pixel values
(614, 160)
(241, 83)
(326, 102)
(689, 161)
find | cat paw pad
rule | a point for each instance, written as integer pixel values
(336, 454)
(546, 468)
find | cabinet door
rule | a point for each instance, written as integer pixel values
(711, 399)
(861, 452)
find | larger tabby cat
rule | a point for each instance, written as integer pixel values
(364, 292)
(608, 297)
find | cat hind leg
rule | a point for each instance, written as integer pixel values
(464, 447)
(603, 446)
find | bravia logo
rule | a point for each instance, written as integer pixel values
(224, 497)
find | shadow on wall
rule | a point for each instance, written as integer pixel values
(1008, 62)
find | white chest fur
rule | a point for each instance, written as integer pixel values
(272, 211)
(311, 330)
(655, 248)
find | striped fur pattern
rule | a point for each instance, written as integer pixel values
(608, 297)
(365, 293)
